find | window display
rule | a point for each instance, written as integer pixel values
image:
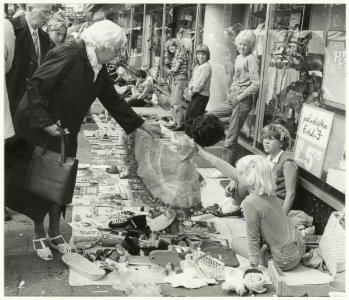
(304, 65)
(222, 23)
(136, 37)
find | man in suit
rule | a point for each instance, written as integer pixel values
(32, 44)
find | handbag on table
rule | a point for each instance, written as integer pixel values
(52, 175)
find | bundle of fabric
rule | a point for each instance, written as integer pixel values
(302, 221)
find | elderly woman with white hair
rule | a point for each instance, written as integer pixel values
(59, 95)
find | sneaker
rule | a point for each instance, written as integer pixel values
(216, 174)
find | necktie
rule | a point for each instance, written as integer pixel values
(36, 45)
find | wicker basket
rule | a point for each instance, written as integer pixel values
(205, 265)
(83, 266)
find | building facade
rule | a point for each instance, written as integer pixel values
(302, 56)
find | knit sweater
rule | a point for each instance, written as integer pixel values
(246, 74)
(201, 80)
(265, 219)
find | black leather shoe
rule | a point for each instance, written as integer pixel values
(180, 128)
(170, 126)
(8, 216)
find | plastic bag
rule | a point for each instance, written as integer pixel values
(166, 175)
(146, 290)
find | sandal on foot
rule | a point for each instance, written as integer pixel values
(44, 252)
(62, 246)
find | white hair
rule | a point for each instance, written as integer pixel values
(19, 12)
(258, 174)
(104, 34)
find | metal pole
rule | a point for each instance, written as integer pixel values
(260, 105)
(163, 37)
(197, 32)
(131, 25)
(144, 41)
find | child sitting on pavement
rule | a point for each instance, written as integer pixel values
(142, 91)
(118, 73)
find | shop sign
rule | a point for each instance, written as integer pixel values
(69, 11)
(312, 138)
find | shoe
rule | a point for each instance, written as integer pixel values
(220, 214)
(44, 252)
(170, 126)
(180, 128)
(8, 216)
(216, 174)
(63, 247)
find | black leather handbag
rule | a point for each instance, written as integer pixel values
(52, 175)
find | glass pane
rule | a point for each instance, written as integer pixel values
(137, 37)
(222, 23)
(180, 24)
(153, 19)
(305, 63)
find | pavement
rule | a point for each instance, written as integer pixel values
(27, 275)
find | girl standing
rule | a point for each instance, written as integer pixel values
(178, 71)
(199, 86)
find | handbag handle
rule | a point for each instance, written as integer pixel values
(62, 136)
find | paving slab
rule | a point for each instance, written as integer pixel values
(96, 291)
(44, 284)
(15, 243)
(11, 283)
(24, 263)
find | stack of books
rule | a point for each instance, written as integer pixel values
(336, 178)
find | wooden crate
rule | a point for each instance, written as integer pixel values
(279, 280)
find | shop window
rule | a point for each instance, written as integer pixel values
(279, 7)
(305, 64)
(153, 34)
(220, 38)
(136, 37)
(180, 23)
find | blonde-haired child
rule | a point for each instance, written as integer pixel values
(266, 222)
(240, 96)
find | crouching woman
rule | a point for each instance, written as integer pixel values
(266, 222)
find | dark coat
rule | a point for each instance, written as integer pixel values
(25, 61)
(61, 89)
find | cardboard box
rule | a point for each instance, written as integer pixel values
(279, 280)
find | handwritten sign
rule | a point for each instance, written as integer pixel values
(312, 138)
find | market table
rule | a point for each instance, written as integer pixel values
(100, 159)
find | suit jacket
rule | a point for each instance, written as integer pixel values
(63, 89)
(25, 61)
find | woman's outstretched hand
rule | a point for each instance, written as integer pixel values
(201, 150)
(55, 129)
(153, 131)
